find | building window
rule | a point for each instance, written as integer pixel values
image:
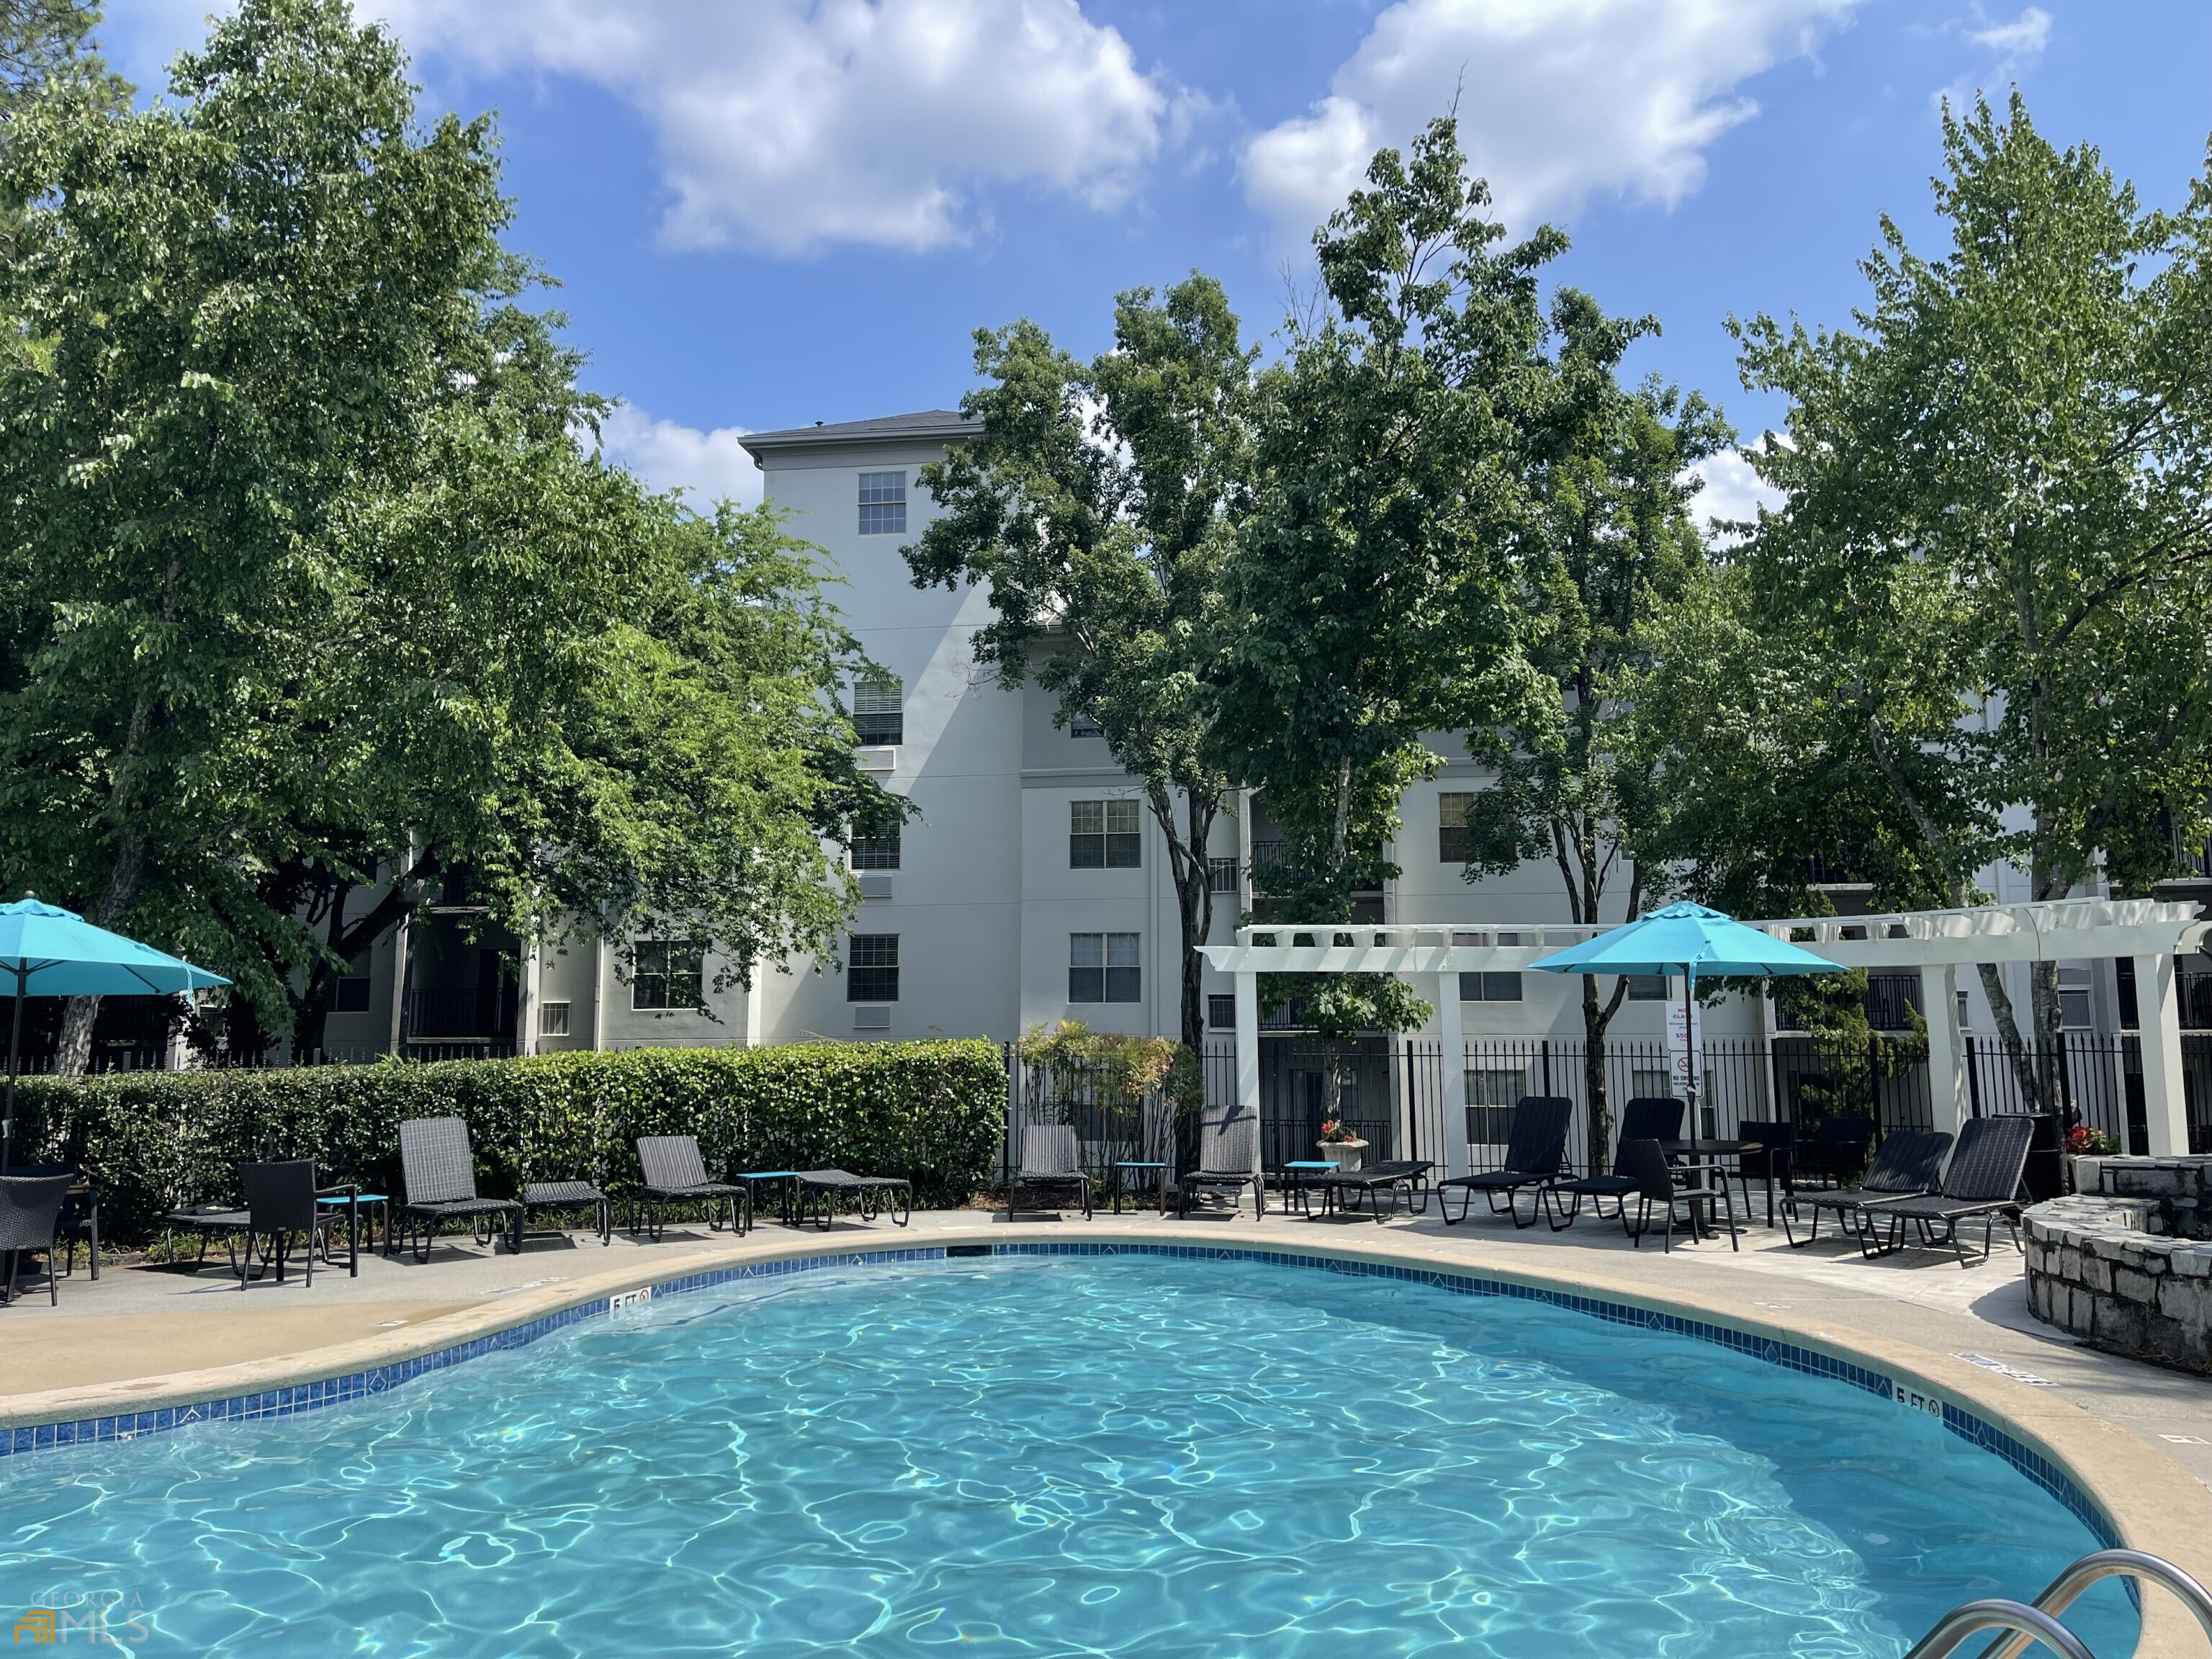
(1452, 828)
(667, 977)
(1492, 1098)
(873, 968)
(1221, 875)
(1221, 1013)
(1102, 968)
(877, 851)
(1651, 1085)
(1963, 1021)
(1082, 726)
(882, 503)
(552, 1019)
(350, 991)
(879, 709)
(1102, 834)
(1490, 988)
(1647, 987)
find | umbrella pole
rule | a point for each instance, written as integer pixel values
(15, 1048)
(1690, 1055)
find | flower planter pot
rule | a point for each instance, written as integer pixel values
(1348, 1154)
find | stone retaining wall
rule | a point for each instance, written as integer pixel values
(2128, 1267)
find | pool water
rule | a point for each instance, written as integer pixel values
(1055, 1455)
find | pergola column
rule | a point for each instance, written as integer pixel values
(1947, 1071)
(2157, 1005)
(1452, 1057)
(1247, 1061)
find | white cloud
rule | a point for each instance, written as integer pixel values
(1557, 98)
(789, 125)
(708, 466)
(1733, 492)
(2015, 48)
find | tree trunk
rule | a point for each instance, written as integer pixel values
(1187, 872)
(73, 1054)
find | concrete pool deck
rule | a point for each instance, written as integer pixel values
(2140, 1437)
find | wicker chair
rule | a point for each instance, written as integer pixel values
(673, 1173)
(1228, 1140)
(30, 1217)
(441, 1186)
(1052, 1158)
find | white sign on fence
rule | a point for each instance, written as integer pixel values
(1686, 1035)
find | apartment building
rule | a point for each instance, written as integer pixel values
(1031, 885)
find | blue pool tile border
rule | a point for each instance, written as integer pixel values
(1968, 1426)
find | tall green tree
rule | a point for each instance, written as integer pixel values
(1371, 598)
(304, 584)
(1609, 543)
(1099, 504)
(2004, 468)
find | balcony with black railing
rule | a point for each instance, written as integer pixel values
(1891, 1000)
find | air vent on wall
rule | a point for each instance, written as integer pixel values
(871, 1019)
(875, 887)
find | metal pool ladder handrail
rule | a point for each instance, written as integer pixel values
(1969, 1618)
(2026, 1623)
(2113, 1563)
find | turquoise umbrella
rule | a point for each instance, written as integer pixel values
(1687, 940)
(53, 952)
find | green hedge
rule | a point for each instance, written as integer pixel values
(934, 1112)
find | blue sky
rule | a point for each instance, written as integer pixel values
(768, 212)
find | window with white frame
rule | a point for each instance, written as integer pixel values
(1105, 968)
(876, 846)
(882, 503)
(1452, 845)
(1082, 726)
(349, 992)
(1104, 835)
(879, 709)
(1493, 1096)
(553, 1019)
(667, 977)
(1490, 988)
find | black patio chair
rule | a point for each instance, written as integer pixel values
(1534, 1155)
(1659, 1182)
(1982, 1179)
(872, 1196)
(280, 1206)
(1647, 1117)
(673, 1172)
(1051, 1158)
(30, 1216)
(80, 1216)
(440, 1177)
(1909, 1163)
(1838, 1151)
(1227, 1152)
(1774, 1163)
(1403, 1176)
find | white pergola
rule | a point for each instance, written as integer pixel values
(1935, 943)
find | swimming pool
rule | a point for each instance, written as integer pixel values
(1035, 1455)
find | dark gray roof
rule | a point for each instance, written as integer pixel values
(924, 424)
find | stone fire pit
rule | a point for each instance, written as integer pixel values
(2128, 1266)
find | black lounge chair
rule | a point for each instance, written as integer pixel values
(569, 1196)
(1051, 1158)
(1908, 1164)
(673, 1173)
(1658, 1181)
(441, 1186)
(30, 1219)
(1533, 1158)
(1228, 1148)
(1647, 1117)
(80, 1216)
(1982, 1179)
(1408, 1176)
(873, 1195)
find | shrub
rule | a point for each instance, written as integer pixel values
(934, 1112)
